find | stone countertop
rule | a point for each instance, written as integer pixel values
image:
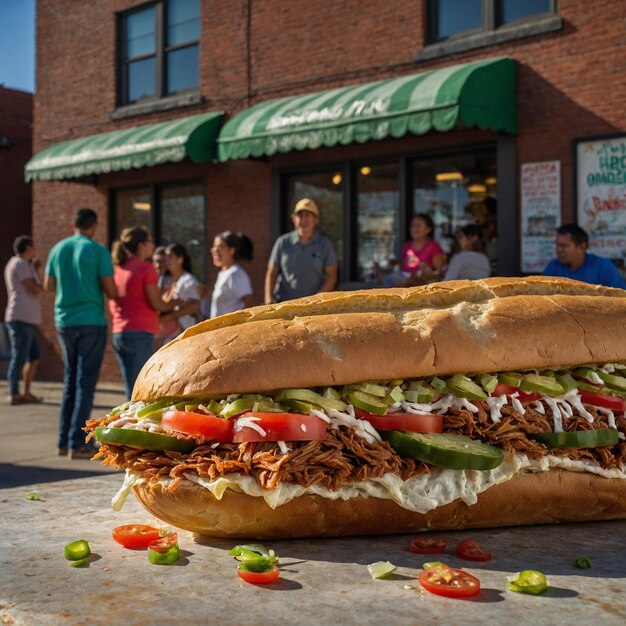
(322, 580)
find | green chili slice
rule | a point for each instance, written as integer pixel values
(76, 550)
(529, 581)
(143, 439)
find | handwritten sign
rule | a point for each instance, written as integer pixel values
(601, 185)
(541, 213)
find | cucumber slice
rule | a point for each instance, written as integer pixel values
(579, 438)
(368, 403)
(154, 407)
(381, 569)
(489, 382)
(445, 450)
(613, 381)
(307, 395)
(299, 407)
(567, 381)
(513, 379)
(464, 387)
(371, 388)
(237, 406)
(543, 384)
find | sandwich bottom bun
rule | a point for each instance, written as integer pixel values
(543, 498)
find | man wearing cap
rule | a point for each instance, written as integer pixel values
(302, 262)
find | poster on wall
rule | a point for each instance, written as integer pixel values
(541, 213)
(601, 195)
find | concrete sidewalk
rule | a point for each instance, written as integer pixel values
(28, 452)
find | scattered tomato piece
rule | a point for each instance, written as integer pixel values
(428, 545)
(135, 535)
(449, 582)
(469, 550)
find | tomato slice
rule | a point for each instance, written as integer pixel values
(135, 535)
(471, 551)
(164, 543)
(449, 582)
(428, 545)
(279, 427)
(258, 578)
(600, 399)
(523, 396)
(209, 426)
(403, 421)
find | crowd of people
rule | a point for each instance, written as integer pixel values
(153, 294)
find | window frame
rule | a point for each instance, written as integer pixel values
(492, 31)
(160, 56)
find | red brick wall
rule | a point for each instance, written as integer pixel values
(16, 120)
(571, 84)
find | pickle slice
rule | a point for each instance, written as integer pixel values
(579, 438)
(445, 450)
(543, 384)
(464, 387)
(613, 381)
(364, 401)
(309, 396)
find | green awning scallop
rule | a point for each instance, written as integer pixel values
(479, 94)
(130, 148)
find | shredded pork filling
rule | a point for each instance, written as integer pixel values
(346, 457)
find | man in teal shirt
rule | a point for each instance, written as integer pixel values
(79, 271)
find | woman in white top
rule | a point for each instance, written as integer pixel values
(470, 263)
(184, 287)
(233, 289)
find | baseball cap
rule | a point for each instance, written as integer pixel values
(306, 204)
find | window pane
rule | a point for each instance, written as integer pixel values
(182, 221)
(456, 192)
(140, 33)
(326, 190)
(511, 10)
(183, 21)
(457, 16)
(141, 79)
(132, 208)
(182, 69)
(378, 205)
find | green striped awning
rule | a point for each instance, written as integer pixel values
(130, 148)
(479, 94)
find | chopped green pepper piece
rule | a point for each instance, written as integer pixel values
(432, 564)
(529, 581)
(33, 495)
(254, 557)
(76, 550)
(381, 569)
(170, 556)
(583, 562)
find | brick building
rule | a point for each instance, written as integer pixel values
(194, 117)
(16, 120)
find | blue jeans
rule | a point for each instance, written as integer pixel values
(24, 347)
(83, 349)
(132, 349)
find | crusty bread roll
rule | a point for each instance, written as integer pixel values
(545, 498)
(496, 324)
(491, 325)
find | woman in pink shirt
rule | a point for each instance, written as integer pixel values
(134, 312)
(422, 259)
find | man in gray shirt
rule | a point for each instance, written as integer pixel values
(302, 262)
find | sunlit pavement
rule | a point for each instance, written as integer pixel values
(28, 452)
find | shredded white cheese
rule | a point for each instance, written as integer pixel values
(249, 422)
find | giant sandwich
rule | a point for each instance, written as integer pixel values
(463, 404)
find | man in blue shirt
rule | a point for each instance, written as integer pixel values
(573, 260)
(79, 271)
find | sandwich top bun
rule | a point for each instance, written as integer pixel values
(490, 325)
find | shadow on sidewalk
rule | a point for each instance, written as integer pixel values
(20, 475)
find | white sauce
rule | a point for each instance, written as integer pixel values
(495, 405)
(421, 493)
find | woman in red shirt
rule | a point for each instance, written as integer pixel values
(134, 312)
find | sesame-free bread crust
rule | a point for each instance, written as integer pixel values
(336, 338)
(543, 498)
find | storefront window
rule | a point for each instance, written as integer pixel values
(378, 231)
(173, 213)
(133, 207)
(458, 191)
(326, 190)
(182, 221)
